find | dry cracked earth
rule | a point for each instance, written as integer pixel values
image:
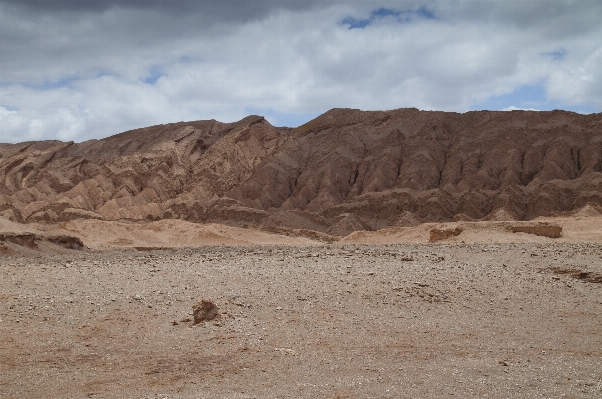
(330, 321)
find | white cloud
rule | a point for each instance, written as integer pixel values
(580, 77)
(513, 108)
(79, 73)
(5, 112)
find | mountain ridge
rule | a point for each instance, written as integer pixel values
(346, 170)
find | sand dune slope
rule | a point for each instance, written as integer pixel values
(170, 234)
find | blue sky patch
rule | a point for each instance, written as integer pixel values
(530, 97)
(9, 108)
(281, 119)
(53, 84)
(403, 16)
(153, 75)
(185, 59)
(557, 55)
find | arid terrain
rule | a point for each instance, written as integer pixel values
(397, 254)
(507, 320)
(485, 313)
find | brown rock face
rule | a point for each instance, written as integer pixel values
(343, 171)
(31, 241)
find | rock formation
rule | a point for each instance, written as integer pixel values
(343, 171)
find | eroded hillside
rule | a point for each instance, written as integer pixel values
(346, 170)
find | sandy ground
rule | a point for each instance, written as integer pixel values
(584, 226)
(504, 320)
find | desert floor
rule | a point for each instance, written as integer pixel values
(344, 320)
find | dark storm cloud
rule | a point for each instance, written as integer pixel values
(38, 38)
(234, 11)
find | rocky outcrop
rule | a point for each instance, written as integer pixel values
(438, 234)
(11, 242)
(343, 171)
(545, 230)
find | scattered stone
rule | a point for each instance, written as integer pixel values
(204, 310)
(285, 351)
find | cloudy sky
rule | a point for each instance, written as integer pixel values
(80, 69)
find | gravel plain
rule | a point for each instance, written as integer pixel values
(332, 321)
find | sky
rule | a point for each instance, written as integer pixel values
(75, 70)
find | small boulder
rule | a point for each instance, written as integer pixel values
(436, 234)
(204, 310)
